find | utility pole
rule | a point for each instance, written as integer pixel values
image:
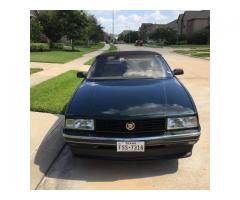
(113, 25)
(129, 34)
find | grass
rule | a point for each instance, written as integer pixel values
(199, 50)
(182, 46)
(154, 45)
(201, 53)
(181, 51)
(53, 95)
(111, 48)
(190, 46)
(64, 55)
(35, 70)
(90, 61)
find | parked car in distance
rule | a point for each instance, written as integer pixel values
(138, 43)
(131, 105)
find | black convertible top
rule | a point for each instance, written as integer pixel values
(124, 53)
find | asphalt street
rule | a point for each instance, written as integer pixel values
(68, 172)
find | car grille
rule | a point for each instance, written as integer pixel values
(116, 127)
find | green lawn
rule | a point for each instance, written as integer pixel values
(111, 48)
(153, 45)
(62, 56)
(53, 95)
(191, 46)
(35, 70)
(182, 46)
(182, 51)
(89, 62)
(201, 53)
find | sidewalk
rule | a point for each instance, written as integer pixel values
(46, 129)
(46, 143)
(54, 69)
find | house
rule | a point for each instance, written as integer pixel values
(122, 36)
(124, 32)
(149, 27)
(192, 21)
(173, 25)
(186, 23)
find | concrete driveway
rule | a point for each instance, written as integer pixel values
(68, 172)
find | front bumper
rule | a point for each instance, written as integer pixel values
(171, 144)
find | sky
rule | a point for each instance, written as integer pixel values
(132, 19)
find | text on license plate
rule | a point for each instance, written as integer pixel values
(130, 147)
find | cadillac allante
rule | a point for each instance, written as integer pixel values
(131, 105)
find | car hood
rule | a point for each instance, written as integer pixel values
(131, 99)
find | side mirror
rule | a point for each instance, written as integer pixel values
(82, 74)
(178, 71)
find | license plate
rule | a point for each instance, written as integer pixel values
(130, 147)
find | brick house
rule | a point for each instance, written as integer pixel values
(186, 23)
(192, 21)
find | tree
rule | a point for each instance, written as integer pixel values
(98, 34)
(35, 30)
(171, 36)
(89, 31)
(144, 33)
(133, 36)
(164, 35)
(52, 27)
(94, 31)
(130, 37)
(74, 24)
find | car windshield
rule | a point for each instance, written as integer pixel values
(129, 67)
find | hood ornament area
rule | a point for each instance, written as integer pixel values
(130, 126)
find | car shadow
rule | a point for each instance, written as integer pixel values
(69, 167)
(55, 160)
(50, 146)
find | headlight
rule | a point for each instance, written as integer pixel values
(81, 124)
(182, 122)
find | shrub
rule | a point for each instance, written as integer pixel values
(59, 46)
(182, 42)
(182, 37)
(165, 35)
(39, 47)
(80, 43)
(200, 37)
